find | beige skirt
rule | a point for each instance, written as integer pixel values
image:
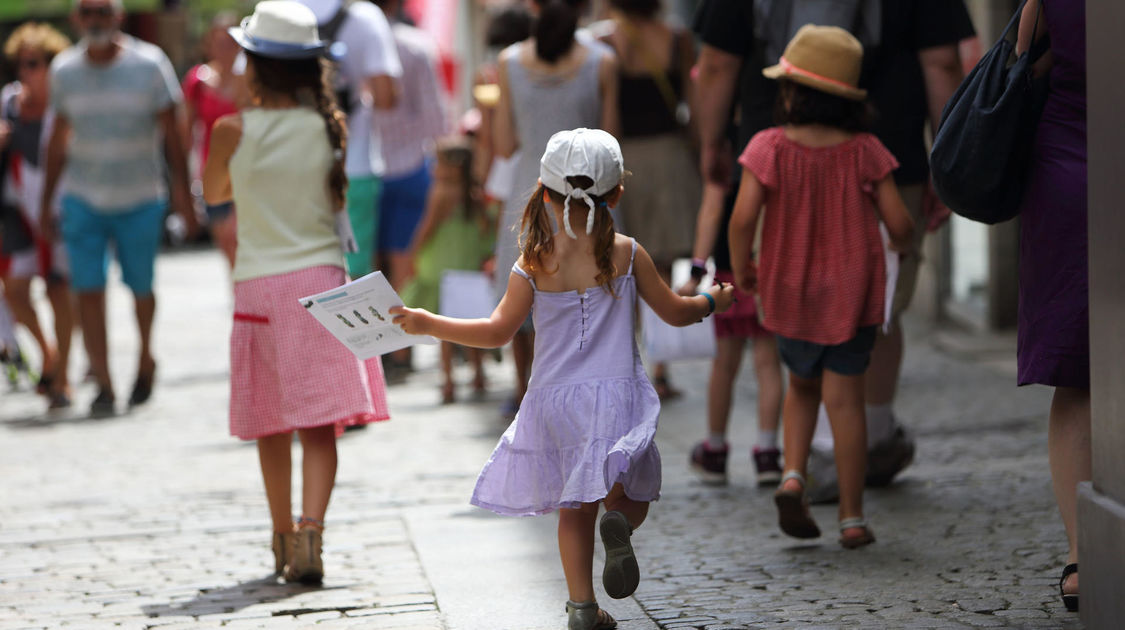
(661, 197)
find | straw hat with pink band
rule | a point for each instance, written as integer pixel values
(825, 58)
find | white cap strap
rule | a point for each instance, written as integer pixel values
(578, 193)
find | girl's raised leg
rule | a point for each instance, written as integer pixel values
(634, 511)
(275, 457)
(843, 400)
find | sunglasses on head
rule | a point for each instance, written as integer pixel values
(99, 11)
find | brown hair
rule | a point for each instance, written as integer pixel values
(38, 36)
(540, 240)
(307, 81)
(458, 153)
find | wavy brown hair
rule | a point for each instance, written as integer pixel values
(308, 81)
(540, 239)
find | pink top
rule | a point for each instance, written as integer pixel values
(210, 105)
(821, 274)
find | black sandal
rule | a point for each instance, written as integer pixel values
(1070, 600)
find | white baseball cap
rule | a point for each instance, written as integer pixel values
(591, 153)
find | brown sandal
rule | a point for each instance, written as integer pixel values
(793, 509)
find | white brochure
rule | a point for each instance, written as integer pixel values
(356, 314)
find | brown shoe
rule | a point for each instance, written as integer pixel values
(304, 563)
(282, 541)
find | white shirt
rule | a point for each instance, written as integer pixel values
(370, 53)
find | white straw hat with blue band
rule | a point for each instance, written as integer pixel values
(281, 29)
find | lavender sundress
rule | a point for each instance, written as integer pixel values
(589, 418)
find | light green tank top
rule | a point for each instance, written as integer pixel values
(279, 179)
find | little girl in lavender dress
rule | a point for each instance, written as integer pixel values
(584, 433)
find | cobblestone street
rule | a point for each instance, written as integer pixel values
(157, 518)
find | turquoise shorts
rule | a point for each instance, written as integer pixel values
(135, 235)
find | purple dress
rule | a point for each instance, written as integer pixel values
(1054, 323)
(589, 417)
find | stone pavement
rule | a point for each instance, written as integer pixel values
(157, 519)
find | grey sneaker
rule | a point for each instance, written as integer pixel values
(621, 574)
(889, 457)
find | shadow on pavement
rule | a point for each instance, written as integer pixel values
(49, 420)
(229, 599)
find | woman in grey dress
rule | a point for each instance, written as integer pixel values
(553, 81)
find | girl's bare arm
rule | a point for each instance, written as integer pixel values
(677, 310)
(743, 223)
(491, 332)
(893, 212)
(216, 172)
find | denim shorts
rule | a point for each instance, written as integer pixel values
(809, 360)
(402, 202)
(135, 234)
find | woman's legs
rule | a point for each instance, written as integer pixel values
(318, 470)
(1068, 448)
(724, 370)
(18, 293)
(447, 372)
(767, 371)
(476, 358)
(275, 457)
(58, 293)
(843, 399)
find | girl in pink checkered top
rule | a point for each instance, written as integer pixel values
(820, 274)
(282, 163)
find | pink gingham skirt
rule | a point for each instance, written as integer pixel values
(287, 371)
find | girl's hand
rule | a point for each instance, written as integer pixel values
(689, 288)
(412, 321)
(724, 296)
(747, 279)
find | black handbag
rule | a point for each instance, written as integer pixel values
(982, 149)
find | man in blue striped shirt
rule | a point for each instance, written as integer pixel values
(115, 99)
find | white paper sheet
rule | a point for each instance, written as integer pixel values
(357, 314)
(466, 294)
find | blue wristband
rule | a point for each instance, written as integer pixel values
(710, 303)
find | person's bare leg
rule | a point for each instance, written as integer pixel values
(767, 371)
(91, 310)
(145, 307)
(843, 399)
(635, 511)
(476, 358)
(318, 470)
(523, 349)
(576, 550)
(720, 389)
(1068, 449)
(18, 293)
(58, 293)
(660, 370)
(447, 371)
(881, 383)
(799, 418)
(275, 455)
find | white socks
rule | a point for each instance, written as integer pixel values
(880, 427)
(767, 440)
(716, 441)
(880, 424)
